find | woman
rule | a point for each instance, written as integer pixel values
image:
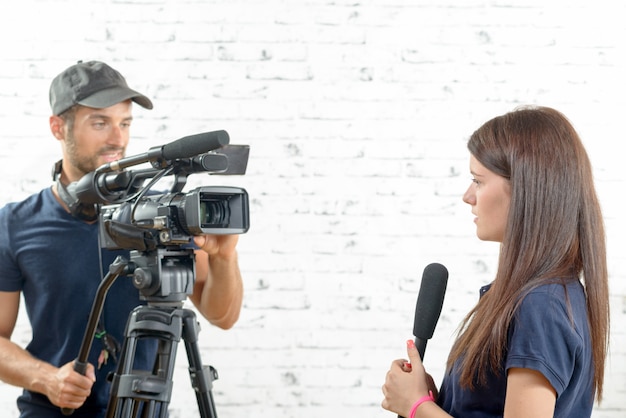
(535, 343)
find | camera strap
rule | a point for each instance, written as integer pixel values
(79, 210)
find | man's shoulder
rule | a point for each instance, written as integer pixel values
(26, 207)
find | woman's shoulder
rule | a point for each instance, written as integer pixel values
(557, 290)
(561, 304)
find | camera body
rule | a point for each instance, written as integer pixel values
(172, 219)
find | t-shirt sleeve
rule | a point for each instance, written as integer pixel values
(10, 276)
(543, 338)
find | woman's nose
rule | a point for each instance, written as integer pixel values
(469, 196)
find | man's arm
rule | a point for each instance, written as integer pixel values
(218, 291)
(63, 386)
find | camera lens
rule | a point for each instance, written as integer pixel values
(214, 212)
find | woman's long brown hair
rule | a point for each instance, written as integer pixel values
(554, 230)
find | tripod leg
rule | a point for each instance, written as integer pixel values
(144, 393)
(147, 394)
(201, 377)
(125, 364)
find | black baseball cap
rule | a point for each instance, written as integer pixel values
(93, 84)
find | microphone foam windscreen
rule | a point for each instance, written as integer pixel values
(430, 300)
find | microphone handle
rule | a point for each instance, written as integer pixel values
(420, 344)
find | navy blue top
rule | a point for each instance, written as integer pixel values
(57, 263)
(546, 335)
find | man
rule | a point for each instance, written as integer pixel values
(50, 253)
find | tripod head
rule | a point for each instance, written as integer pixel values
(163, 276)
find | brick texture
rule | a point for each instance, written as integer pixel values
(357, 115)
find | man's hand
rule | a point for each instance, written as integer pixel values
(223, 246)
(218, 291)
(70, 388)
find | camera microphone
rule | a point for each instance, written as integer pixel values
(110, 181)
(184, 147)
(192, 145)
(429, 304)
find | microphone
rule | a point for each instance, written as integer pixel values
(193, 145)
(185, 147)
(429, 304)
(109, 179)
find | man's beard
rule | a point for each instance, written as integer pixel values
(85, 163)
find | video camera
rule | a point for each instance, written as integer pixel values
(156, 228)
(134, 218)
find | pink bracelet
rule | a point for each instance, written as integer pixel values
(420, 401)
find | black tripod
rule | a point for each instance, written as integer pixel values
(164, 277)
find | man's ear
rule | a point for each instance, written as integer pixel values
(57, 127)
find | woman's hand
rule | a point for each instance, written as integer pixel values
(406, 382)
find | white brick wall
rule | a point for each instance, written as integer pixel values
(357, 115)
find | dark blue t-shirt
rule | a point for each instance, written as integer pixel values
(546, 335)
(57, 263)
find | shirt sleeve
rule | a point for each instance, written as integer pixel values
(543, 337)
(10, 275)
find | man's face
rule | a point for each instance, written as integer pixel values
(97, 137)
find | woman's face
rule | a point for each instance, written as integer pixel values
(489, 195)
